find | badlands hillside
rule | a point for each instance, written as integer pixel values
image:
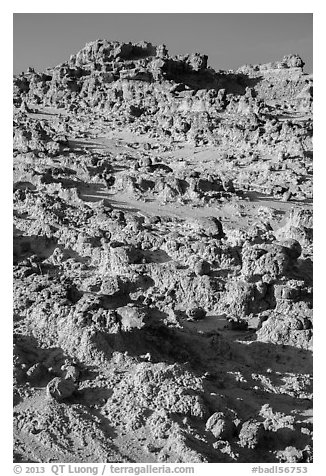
(162, 259)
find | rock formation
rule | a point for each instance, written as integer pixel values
(162, 259)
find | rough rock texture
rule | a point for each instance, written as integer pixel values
(162, 259)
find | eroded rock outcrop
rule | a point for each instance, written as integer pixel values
(162, 259)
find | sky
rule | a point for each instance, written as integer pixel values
(230, 40)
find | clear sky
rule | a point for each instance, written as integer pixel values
(229, 39)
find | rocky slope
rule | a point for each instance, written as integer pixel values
(162, 259)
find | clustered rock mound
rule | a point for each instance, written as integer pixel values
(162, 259)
